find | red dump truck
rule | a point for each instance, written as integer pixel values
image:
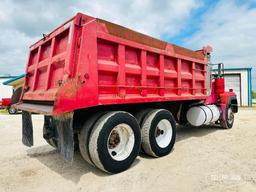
(113, 92)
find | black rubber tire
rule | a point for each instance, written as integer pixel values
(148, 130)
(50, 132)
(140, 115)
(98, 142)
(224, 123)
(12, 110)
(84, 134)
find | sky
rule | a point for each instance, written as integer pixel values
(229, 26)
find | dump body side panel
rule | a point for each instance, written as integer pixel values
(133, 67)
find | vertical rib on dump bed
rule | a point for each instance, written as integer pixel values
(88, 62)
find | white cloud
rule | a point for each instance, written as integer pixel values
(230, 29)
(13, 51)
(152, 17)
(22, 22)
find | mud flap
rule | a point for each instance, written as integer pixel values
(64, 126)
(27, 129)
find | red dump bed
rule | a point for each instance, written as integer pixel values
(88, 62)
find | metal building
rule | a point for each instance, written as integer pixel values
(15, 82)
(240, 80)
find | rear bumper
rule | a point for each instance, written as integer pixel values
(34, 108)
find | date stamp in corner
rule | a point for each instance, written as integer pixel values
(232, 178)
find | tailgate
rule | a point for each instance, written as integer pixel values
(49, 63)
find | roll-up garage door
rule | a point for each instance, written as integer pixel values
(233, 81)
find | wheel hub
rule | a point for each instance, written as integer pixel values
(114, 139)
(159, 132)
(163, 133)
(121, 141)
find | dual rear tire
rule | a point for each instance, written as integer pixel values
(158, 130)
(112, 141)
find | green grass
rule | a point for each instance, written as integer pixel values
(254, 94)
(3, 112)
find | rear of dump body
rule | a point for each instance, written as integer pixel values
(89, 62)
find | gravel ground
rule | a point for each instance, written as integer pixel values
(204, 159)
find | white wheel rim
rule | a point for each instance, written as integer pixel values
(120, 142)
(163, 133)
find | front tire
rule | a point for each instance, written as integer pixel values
(229, 120)
(158, 133)
(114, 141)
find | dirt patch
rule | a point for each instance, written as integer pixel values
(28, 173)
